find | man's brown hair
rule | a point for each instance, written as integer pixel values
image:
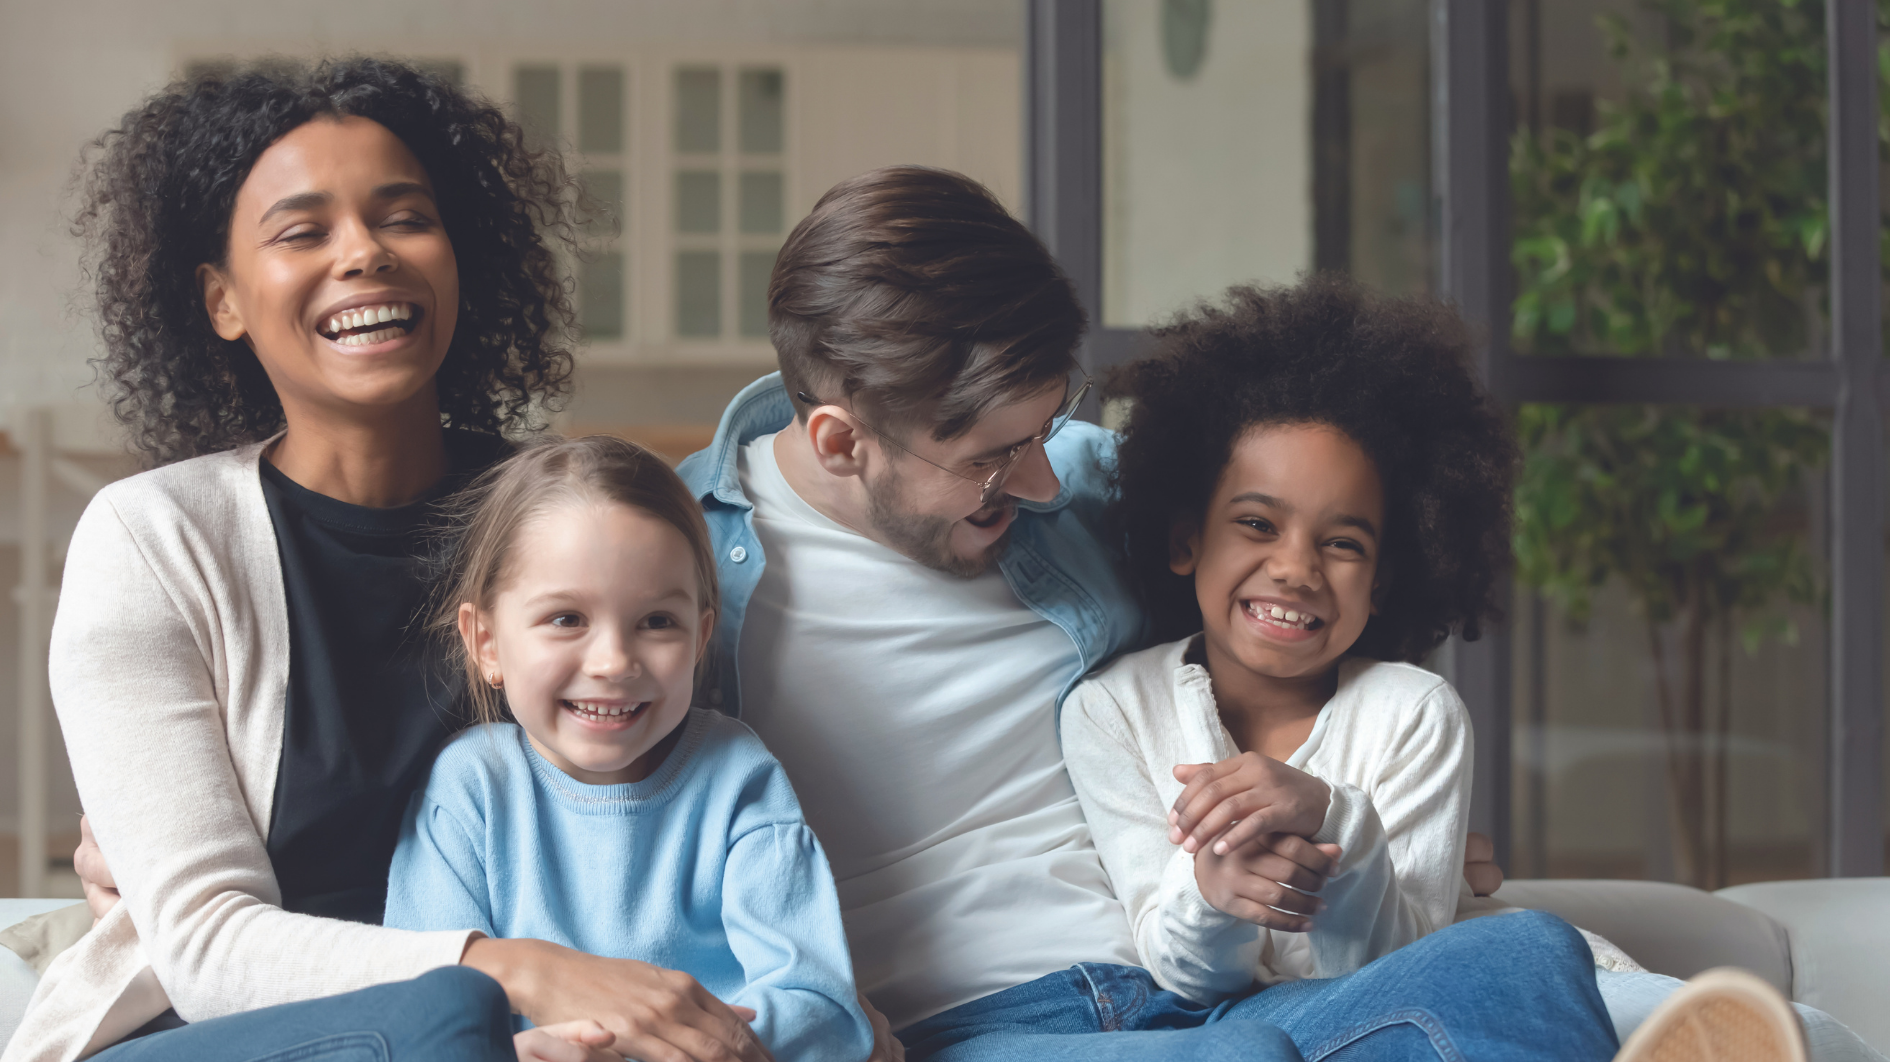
(912, 293)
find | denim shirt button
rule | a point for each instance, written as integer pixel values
(738, 554)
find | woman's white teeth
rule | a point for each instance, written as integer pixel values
(362, 339)
(369, 315)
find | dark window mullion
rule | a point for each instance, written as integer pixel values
(1857, 466)
(1470, 156)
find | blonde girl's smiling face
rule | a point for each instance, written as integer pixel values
(1285, 559)
(594, 636)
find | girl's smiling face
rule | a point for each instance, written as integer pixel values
(338, 272)
(595, 634)
(1285, 559)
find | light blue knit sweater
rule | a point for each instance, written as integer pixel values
(706, 867)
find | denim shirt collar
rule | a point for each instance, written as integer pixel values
(764, 407)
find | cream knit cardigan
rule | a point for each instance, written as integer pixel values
(170, 670)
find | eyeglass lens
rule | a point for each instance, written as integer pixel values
(994, 486)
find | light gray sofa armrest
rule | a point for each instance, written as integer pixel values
(17, 980)
(1840, 944)
(1670, 929)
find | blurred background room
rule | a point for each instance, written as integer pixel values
(1633, 201)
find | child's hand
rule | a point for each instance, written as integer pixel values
(1243, 797)
(571, 1041)
(1251, 882)
(655, 1013)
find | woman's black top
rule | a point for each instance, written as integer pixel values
(368, 705)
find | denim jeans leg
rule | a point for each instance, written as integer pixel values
(1091, 1013)
(453, 1014)
(1518, 986)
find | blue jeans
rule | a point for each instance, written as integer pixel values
(453, 1013)
(1517, 986)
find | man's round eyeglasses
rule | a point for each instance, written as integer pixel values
(992, 486)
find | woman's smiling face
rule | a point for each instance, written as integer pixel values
(1285, 560)
(339, 273)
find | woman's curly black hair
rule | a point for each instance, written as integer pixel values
(158, 192)
(1393, 375)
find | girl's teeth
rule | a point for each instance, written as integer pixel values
(1285, 617)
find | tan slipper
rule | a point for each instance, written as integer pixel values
(1723, 1015)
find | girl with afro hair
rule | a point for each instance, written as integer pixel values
(1314, 492)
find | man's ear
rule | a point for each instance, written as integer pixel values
(1184, 547)
(225, 319)
(837, 440)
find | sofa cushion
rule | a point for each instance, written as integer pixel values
(17, 979)
(1840, 943)
(1670, 929)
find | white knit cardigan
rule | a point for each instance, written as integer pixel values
(170, 670)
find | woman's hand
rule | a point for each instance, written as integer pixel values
(1251, 882)
(1479, 866)
(886, 1046)
(1243, 797)
(654, 1015)
(571, 1041)
(101, 891)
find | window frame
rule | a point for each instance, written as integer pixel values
(1470, 91)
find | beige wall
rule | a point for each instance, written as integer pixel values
(871, 82)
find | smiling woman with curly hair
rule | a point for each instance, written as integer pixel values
(327, 297)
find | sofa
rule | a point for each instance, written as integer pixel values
(1824, 943)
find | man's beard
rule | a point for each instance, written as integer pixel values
(926, 539)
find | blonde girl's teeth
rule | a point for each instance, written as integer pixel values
(1291, 616)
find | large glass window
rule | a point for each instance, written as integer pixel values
(1670, 639)
(1249, 143)
(1672, 661)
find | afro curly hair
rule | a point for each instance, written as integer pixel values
(158, 196)
(1394, 376)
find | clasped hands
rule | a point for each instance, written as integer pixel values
(1247, 821)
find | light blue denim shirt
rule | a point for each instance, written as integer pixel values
(1059, 562)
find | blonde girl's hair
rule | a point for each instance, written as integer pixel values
(483, 523)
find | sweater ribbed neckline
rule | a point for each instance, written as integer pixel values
(623, 798)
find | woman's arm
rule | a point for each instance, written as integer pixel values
(142, 679)
(1189, 946)
(782, 916)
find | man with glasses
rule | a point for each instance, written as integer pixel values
(914, 574)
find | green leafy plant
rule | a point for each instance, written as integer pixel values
(1692, 222)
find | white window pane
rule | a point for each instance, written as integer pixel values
(536, 90)
(698, 201)
(600, 109)
(756, 268)
(698, 109)
(600, 296)
(762, 207)
(760, 99)
(698, 293)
